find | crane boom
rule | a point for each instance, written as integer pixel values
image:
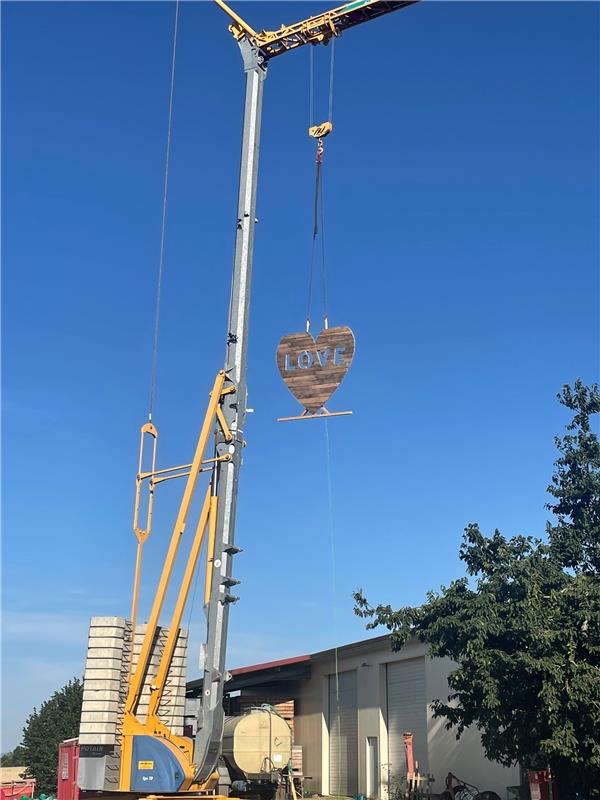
(145, 751)
(314, 30)
(256, 49)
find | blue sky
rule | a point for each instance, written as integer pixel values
(462, 227)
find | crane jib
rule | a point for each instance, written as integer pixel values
(153, 750)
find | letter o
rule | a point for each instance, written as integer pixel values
(305, 359)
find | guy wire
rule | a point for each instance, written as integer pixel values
(163, 221)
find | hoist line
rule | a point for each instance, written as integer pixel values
(318, 204)
(311, 99)
(331, 70)
(310, 283)
(311, 267)
(322, 193)
(161, 259)
(324, 262)
(318, 230)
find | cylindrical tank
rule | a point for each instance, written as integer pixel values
(257, 744)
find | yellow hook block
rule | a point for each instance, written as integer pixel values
(319, 131)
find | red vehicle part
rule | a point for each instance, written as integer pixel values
(16, 789)
(68, 762)
(539, 785)
(408, 746)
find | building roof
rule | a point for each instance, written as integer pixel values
(284, 669)
(12, 774)
(282, 662)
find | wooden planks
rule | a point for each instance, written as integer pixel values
(314, 369)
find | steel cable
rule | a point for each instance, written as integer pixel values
(154, 367)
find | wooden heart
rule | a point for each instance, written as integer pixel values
(313, 370)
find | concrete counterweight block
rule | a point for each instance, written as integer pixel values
(112, 657)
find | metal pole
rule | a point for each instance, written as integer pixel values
(211, 716)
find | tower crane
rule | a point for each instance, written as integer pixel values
(150, 757)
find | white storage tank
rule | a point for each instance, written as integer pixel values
(257, 744)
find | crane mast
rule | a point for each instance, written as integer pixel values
(257, 48)
(147, 755)
(211, 715)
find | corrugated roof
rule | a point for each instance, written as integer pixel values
(238, 679)
(363, 643)
(282, 662)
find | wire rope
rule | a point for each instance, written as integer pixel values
(324, 262)
(321, 200)
(311, 97)
(161, 259)
(318, 204)
(331, 73)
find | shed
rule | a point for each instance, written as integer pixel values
(349, 707)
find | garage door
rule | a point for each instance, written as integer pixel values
(406, 711)
(343, 735)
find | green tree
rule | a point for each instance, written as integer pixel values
(523, 625)
(57, 719)
(14, 758)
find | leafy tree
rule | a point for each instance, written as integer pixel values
(14, 758)
(575, 539)
(57, 719)
(523, 626)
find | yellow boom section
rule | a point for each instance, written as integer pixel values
(315, 30)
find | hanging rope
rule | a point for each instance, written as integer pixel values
(311, 100)
(331, 70)
(163, 222)
(323, 261)
(319, 132)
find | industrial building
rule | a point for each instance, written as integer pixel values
(348, 725)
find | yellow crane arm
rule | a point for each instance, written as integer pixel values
(314, 30)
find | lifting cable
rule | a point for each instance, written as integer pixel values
(154, 367)
(318, 231)
(319, 132)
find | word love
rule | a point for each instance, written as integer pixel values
(314, 369)
(306, 358)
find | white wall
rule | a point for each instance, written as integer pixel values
(465, 758)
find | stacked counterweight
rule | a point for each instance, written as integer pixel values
(112, 656)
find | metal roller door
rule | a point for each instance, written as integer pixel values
(343, 735)
(406, 711)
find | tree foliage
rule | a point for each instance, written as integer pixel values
(14, 758)
(523, 625)
(57, 719)
(575, 487)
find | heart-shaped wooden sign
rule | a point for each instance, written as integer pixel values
(313, 370)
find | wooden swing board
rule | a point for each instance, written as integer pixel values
(307, 415)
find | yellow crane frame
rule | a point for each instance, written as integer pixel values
(225, 418)
(314, 30)
(207, 521)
